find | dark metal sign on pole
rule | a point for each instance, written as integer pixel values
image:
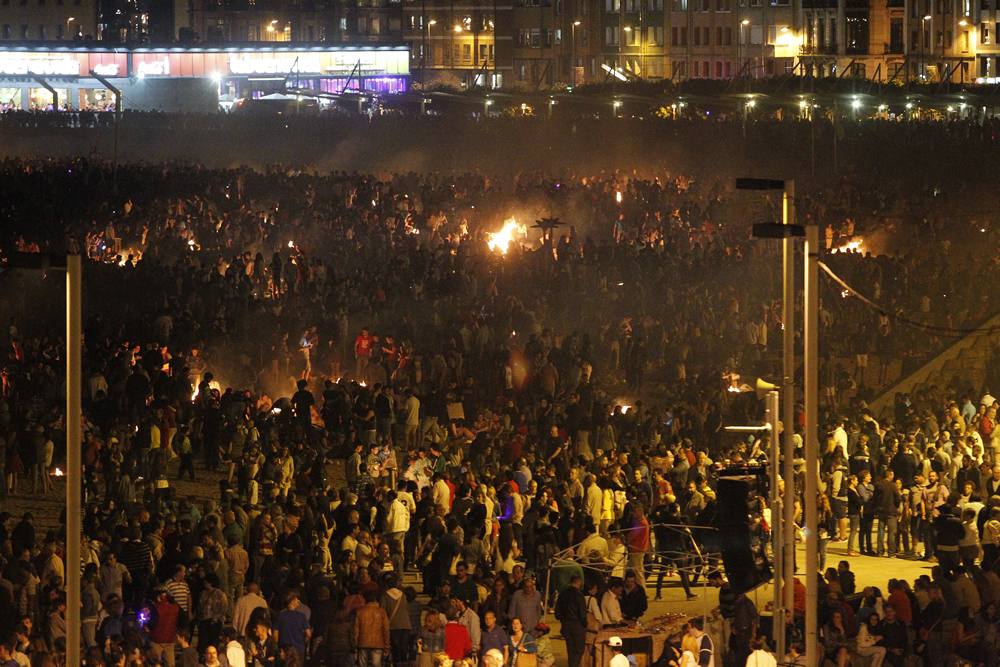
(760, 184)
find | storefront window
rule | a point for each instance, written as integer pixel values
(97, 99)
(10, 98)
(41, 98)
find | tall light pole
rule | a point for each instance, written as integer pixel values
(455, 30)
(784, 556)
(423, 58)
(925, 39)
(628, 32)
(788, 389)
(572, 64)
(739, 46)
(811, 339)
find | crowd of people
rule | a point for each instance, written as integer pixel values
(490, 403)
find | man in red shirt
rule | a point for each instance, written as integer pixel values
(457, 643)
(163, 626)
(363, 345)
(638, 544)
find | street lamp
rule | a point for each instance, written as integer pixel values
(68, 21)
(925, 39)
(787, 231)
(572, 64)
(423, 56)
(739, 46)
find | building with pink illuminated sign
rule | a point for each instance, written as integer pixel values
(190, 78)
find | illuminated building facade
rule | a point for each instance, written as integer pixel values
(196, 78)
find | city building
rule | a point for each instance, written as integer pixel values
(309, 21)
(48, 20)
(463, 45)
(554, 44)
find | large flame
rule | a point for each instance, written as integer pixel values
(500, 241)
(212, 384)
(855, 245)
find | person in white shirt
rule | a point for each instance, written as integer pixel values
(235, 654)
(617, 556)
(611, 608)
(867, 640)
(593, 544)
(619, 659)
(593, 499)
(760, 657)
(840, 438)
(441, 494)
(397, 521)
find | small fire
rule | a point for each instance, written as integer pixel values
(856, 244)
(58, 473)
(618, 196)
(500, 241)
(134, 253)
(291, 244)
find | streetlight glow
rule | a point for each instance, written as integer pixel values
(458, 28)
(745, 22)
(576, 23)
(928, 17)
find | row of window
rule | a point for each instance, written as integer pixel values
(41, 3)
(24, 31)
(633, 6)
(702, 36)
(536, 38)
(722, 5)
(457, 54)
(416, 23)
(650, 36)
(615, 6)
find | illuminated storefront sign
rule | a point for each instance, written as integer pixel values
(309, 64)
(159, 67)
(110, 69)
(24, 64)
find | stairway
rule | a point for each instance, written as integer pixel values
(963, 361)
